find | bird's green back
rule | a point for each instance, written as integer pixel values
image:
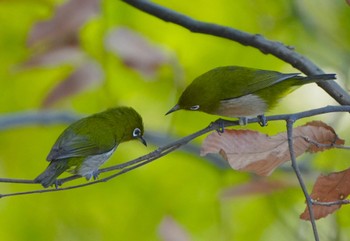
(96, 134)
(229, 82)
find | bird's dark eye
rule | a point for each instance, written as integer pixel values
(195, 107)
(136, 132)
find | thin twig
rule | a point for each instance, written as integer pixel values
(161, 151)
(80, 185)
(48, 118)
(125, 167)
(17, 180)
(338, 202)
(13, 120)
(225, 123)
(290, 123)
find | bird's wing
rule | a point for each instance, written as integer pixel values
(70, 144)
(267, 79)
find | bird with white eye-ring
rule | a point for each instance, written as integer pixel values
(87, 143)
(235, 91)
(195, 107)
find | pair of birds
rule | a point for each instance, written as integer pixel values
(231, 91)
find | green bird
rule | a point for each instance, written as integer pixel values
(87, 143)
(241, 92)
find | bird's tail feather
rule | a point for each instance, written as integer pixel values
(315, 78)
(49, 176)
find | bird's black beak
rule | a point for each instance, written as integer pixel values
(175, 108)
(143, 141)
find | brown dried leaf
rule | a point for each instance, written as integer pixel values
(256, 186)
(63, 28)
(319, 135)
(259, 153)
(87, 75)
(170, 230)
(71, 55)
(135, 51)
(329, 188)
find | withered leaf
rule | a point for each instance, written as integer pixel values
(64, 55)
(253, 151)
(170, 230)
(256, 186)
(63, 28)
(84, 77)
(329, 188)
(135, 51)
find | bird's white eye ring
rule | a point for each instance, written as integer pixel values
(195, 107)
(136, 132)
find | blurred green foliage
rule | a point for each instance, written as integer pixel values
(181, 185)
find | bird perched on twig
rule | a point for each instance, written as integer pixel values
(241, 92)
(87, 143)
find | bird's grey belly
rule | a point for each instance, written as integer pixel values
(91, 164)
(245, 106)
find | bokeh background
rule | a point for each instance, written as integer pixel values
(79, 57)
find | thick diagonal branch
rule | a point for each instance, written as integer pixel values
(275, 48)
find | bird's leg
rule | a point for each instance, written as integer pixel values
(95, 174)
(262, 120)
(57, 184)
(92, 175)
(243, 121)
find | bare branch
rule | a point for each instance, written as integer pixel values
(338, 202)
(35, 117)
(126, 167)
(290, 123)
(130, 165)
(277, 49)
(17, 180)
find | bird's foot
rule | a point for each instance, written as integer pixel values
(243, 121)
(220, 126)
(91, 175)
(95, 175)
(57, 184)
(262, 120)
